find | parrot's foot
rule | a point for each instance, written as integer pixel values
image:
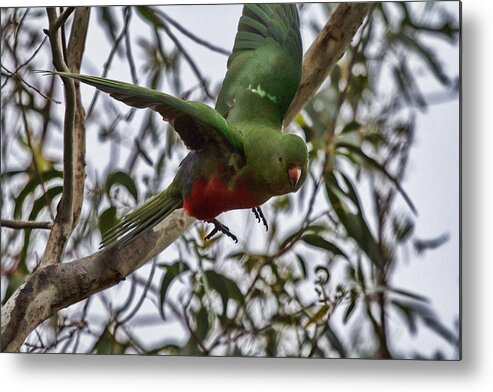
(219, 227)
(260, 217)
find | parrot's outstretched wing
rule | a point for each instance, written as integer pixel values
(264, 69)
(198, 125)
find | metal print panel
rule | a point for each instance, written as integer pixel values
(260, 180)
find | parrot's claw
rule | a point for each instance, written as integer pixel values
(260, 217)
(219, 227)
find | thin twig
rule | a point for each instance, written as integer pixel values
(17, 77)
(23, 224)
(130, 58)
(128, 14)
(142, 298)
(32, 56)
(188, 58)
(35, 163)
(190, 35)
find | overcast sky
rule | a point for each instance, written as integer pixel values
(432, 179)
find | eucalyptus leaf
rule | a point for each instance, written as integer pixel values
(123, 179)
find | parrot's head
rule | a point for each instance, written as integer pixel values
(292, 161)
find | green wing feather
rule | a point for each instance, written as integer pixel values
(198, 125)
(264, 69)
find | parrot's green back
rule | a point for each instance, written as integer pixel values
(264, 69)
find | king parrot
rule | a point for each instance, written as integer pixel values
(239, 156)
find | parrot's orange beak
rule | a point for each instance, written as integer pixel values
(294, 175)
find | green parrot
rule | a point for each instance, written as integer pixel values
(239, 156)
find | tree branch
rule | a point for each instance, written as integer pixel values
(62, 227)
(325, 52)
(190, 35)
(76, 46)
(22, 224)
(73, 132)
(60, 21)
(56, 286)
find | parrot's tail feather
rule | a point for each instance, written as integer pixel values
(141, 229)
(132, 219)
(142, 218)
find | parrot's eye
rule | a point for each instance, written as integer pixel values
(280, 159)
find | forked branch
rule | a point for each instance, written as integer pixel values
(73, 131)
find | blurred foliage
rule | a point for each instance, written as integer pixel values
(322, 286)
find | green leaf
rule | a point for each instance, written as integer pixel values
(351, 127)
(148, 13)
(323, 274)
(429, 318)
(408, 294)
(107, 220)
(44, 201)
(354, 223)
(107, 21)
(40, 203)
(377, 166)
(349, 311)
(225, 286)
(172, 271)
(402, 83)
(319, 242)
(403, 228)
(108, 344)
(290, 237)
(335, 75)
(123, 179)
(11, 173)
(302, 264)
(407, 313)
(426, 54)
(315, 229)
(202, 321)
(334, 341)
(31, 186)
(423, 245)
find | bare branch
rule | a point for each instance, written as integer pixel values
(62, 227)
(23, 81)
(126, 23)
(76, 46)
(57, 286)
(62, 19)
(326, 50)
(73, 132)
(22, 224)
(190, 35)
(184, 52)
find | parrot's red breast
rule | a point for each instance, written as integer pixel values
(210, 197)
